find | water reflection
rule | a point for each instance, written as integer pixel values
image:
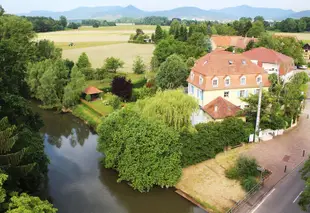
(78, 184)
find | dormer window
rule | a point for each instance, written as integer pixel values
(215, 82)
(204, 63)
(259, 79)
(243, 61)
(227, 81)
(230, 62)
(200, 80)
(243, 80)
(192, 75)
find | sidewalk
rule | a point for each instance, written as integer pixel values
(285, 150)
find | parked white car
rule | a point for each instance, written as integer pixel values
(303, 67)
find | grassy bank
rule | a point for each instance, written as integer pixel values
(86, 114)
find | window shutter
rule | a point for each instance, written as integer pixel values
(246, 93)
(238, 94)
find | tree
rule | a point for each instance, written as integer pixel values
(16, 51)
(112, 64)
(198, 45)
(173, 107)
(63, 21)
(144, 153)
(47, 80)
(83, 61)
(45, 49)
(259, 18)
(2, 11)
(190, 62)
(174, 27)
(121, 87)
(73, 25)
(139, 66)
(154, 64)
(96, 25)
(159, 34)
(257, 29)
(224, 29)
(172, 73)
(74, 88)
(250, 45)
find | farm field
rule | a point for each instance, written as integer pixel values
(103, 42)
(300, 36)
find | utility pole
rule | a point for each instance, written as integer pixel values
(256, 134)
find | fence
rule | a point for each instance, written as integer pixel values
(247, 197)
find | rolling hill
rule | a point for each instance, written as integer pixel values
(114, 12)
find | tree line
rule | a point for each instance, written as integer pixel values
(23, 163)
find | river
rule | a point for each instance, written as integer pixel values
(79, 184)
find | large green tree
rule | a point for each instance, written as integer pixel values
(63, 21)
(83, 61)
(159, 34)
(172, 73)
(74, 88)
(112, 64)
(17, 49)
(257, 29)
(173, 107)
(138, 66)
(145, 153)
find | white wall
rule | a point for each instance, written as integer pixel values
(271, 68)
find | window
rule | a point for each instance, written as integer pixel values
(227, 81)
(192, 76)
(204, 63)
(243, 80)
(246, 106)
(192, 89)
(259, 79)
(230, 62)
(243, 61)
(215, 82)
(226, 94)
(199, 94)
(242, 94)
(200, 80)
(256, 91)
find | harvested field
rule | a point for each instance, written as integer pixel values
(299, 36)
(126, 52)
(206, 182)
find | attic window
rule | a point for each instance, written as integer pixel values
(192, 76)
(204, 63)
(215, 108)
(200, 80)
(243, 62)
(230, 62)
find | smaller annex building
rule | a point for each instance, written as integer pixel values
(306, 49)
(272, 61)
(223, 42)
(93, 92)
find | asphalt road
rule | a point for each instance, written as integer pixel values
(283, 198)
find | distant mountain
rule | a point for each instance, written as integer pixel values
(114, 12)
(301, 14)
(247, 11)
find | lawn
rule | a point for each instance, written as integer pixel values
(99, 106)
(127, 52)
(84, 113)
(107, 81)
(207, 183)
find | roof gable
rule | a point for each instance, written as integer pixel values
(220, 108)
(92, 90)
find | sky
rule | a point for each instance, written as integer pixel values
(24, 6)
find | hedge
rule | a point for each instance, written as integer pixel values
(211, 138)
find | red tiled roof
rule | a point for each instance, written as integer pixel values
(264, 55)
(92, 90)
(222, 64)
(220, 108)
(235, 41)
(267, 55)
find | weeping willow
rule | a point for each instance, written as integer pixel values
(9, 159)
(171, 106)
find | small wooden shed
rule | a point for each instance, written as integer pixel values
(93, 92)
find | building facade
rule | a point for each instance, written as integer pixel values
(306, 48)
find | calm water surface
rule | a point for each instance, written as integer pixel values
(77, 182)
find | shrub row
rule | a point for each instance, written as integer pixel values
(211, 138)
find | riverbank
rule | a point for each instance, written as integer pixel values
(77, 181)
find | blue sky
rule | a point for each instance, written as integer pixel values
(20, 6)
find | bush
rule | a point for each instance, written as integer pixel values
(114, 101)
(232, 173)
(88, 98)
(249, 183)
(247, 167)
(122, 88)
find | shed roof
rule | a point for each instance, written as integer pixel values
(92, 90)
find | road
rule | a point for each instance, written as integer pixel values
(283, 198)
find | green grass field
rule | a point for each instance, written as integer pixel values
(99, 106)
